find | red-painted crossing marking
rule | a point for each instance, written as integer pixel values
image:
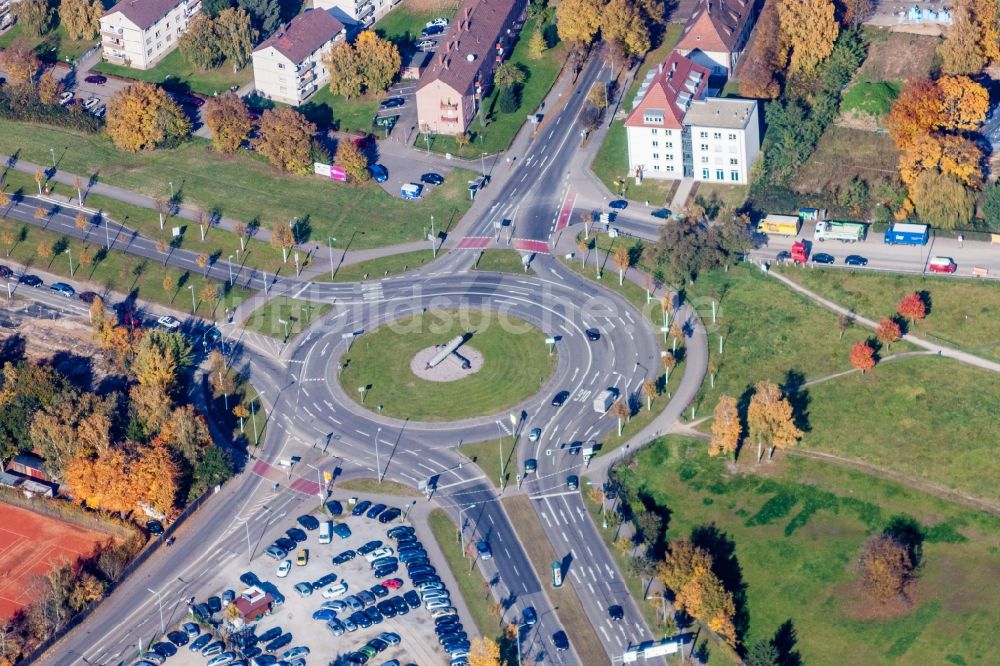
(305, 486)
(528, 245)
(474, 243)
(566, 210)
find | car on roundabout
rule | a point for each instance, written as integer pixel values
(593, 334)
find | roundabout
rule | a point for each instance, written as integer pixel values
(408, 370)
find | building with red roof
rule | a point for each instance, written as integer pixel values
(717, 33)
(288, 66)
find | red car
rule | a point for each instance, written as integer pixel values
(364, 143)
(942, 265)
(392, 584)
(96, 78)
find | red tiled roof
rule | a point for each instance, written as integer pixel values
(143, 13)
(677, 82)
(303, 34)
(716, 25)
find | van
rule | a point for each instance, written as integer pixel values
(325, 531)
(603, 402)
(411, 191)
(942, 265)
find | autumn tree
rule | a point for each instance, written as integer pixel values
(142, 117)
(887, 569)
(809, 31)
(103, 481)
(962, 51)
(649, 390)
(862, 356)
(964, 103)
(346, 78)
(208, 293)
(235, 36)
(354, 163)
(537, 45)
(33, 16)
(285, 139)
(621, 412)
(282, 239)
(157, 475)
(577, 21)
(913, 307)
(19, 60)
(726, 427)
(766, 57)
(623, 24)
(888, 332)
(378, 60)
(598, 95)
(199, 43)
(942, 200)
(686, 570)
(228, 118)
(49, 89)
(857, 12)
(484, 652)
(86, 589)
(771, 419)
(81, 18)
(917, 111)
(623, 260)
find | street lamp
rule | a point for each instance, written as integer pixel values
(193, 306)
(230, 270)
(319, 482)
(171, 183)
(518, 639)
(53, 151)
(378, 463)
(70, 255)
(330, 241)
(285, 323)
(482, 159)
(159, 603)
(461, 525)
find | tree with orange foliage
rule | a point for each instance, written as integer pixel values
(862, 356)
(686, 570)
(103, 481)
(770, 417)
(142, 116)
(888, 332)
(766, 57)
(963, 102)
(20, 61)
(912, 307)
(972, 39)
(726, 427)
(156, 474)
(918, 110)
(809, 31)
(887, 569)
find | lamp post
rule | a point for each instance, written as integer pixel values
(378, 463)
(330, 241)
(159, 603)
(500, 447)
(284, 322)
(70, 255)
(230, 270)
(193, 305)
(171, 183)
(518, 639)
(319, 482)
(482, 159)
(53, 151)
(461, 525)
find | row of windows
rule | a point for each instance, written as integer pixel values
(720, 175)
(716, 135)
(667, 144)
(669, 168)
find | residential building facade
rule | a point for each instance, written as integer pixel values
(288, 67)
(717, 33)
(140, 33)
(460, 74)
(6, 15)
(364, 13)
(674, 131)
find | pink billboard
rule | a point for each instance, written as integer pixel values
(329, 171)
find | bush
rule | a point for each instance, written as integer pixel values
(20, 103)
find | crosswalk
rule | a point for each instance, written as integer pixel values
(371, 291)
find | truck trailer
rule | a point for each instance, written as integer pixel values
(779, 225)
(845, 232)
(603, 402)
(907, 234)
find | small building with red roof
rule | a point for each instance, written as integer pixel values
(717, 33)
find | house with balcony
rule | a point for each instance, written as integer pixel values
(288, 67)
(140, 33)
(460, 74)
(675, 130)
(362, 13)
(717, 34)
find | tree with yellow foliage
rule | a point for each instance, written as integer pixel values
(726, 427)
(156, 475)
(809, 31)
(623, 260)
(918, 110)
(771, 419)
(20, 61)
(577, 21)
(228, 118)
(354, 163)
(49, 89)
(942, 200)
(484, 652)
(686, 570)
(81, 18)
(143, 117)
(378, 61)
(623, 24)
(285, 139)
(964, 103)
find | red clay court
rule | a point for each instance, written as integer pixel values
(30, 544)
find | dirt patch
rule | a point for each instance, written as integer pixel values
(44, 338)
(899, 56)
(843, 154)
(861, 606)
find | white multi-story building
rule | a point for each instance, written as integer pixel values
(675, 132)
(288, 67)
(717, 33)
(361, 12)
(140, 33)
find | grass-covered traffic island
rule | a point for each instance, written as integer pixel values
(515, 364)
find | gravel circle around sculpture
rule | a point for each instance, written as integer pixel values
(448, 370)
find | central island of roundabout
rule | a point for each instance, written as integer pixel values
(447, 365)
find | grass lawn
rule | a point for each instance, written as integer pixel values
(177, 74)
(339, 113)
(497, 135)
(896, 406)
(611, 162)
(298, 313)
(487, 456)
(872, 98)
(115, 270)
(244, 187)
(769, 333)
(373, 486)
(381, 359)
(728, 195)
(796, 530)
(502, 261)
(376, 269)
(963, 313)
(65, 49)
(403, 24)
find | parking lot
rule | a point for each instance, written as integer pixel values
(294, 614)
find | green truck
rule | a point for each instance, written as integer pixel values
(845, 232)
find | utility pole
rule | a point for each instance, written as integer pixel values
(330, 241)
(378, 461)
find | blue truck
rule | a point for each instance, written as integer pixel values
(907, 234)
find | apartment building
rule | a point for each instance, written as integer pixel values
(717, 33)
(674, 131)
(288, 67)
(140, 33)
(364, 13)
(6, 15)
(460, 74)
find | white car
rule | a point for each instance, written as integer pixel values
(284, 568)
(168, 322)
(426, 44)
(379, 552)
(534, 435)
(65, 98)
(91, 103)
(335, 590)
(443, 22)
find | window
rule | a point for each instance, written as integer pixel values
(281, 65)
(704, 159)
(734, 175)
(655, 130)
(732, 136)
(656, 167)
(170, 38)
(669, 132)
(670, 144)
(717, 135)
(733, 161)
(704, 135)
(157, 33)
(149, 52)
(655, 144)
(670, 168)
(159, 45)
(719, 175)
(656, 156)
(704, 174)
(704, 146)
(168, 25)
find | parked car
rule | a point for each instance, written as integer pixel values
(269, 635)
(392, 583)
(345, 556)
(278, 643)
(432, 178)
(389, 515)
(855, 260)
(392, 103)
(91, 102)
(360, 507)
(334, 507)
(304, 589)
(618, 204)
(96, 79)
(214, 604)
(375, 510)
(308, 522)
(284, 568)
(342, 530)
(323, 581)
(426, 44)
(249, 579)
(443, 22)
(823, 258)
(335, 590)
(32, 281)
(484, 551)
(432, 30)
(379, 173)
(276, 553)
(65, 98)
(398, 531)
(165, 648)
(303, 558)
(99, 111)
(369, 547)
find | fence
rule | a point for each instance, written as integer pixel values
(69, 512)
(152, 547)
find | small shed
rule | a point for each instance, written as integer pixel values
(30, 465)
(253, 604)
(415, 66)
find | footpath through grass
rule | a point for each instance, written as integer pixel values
(175, 73)
(245, 187)
(964, 314)
(795, 532)
(284, 317)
